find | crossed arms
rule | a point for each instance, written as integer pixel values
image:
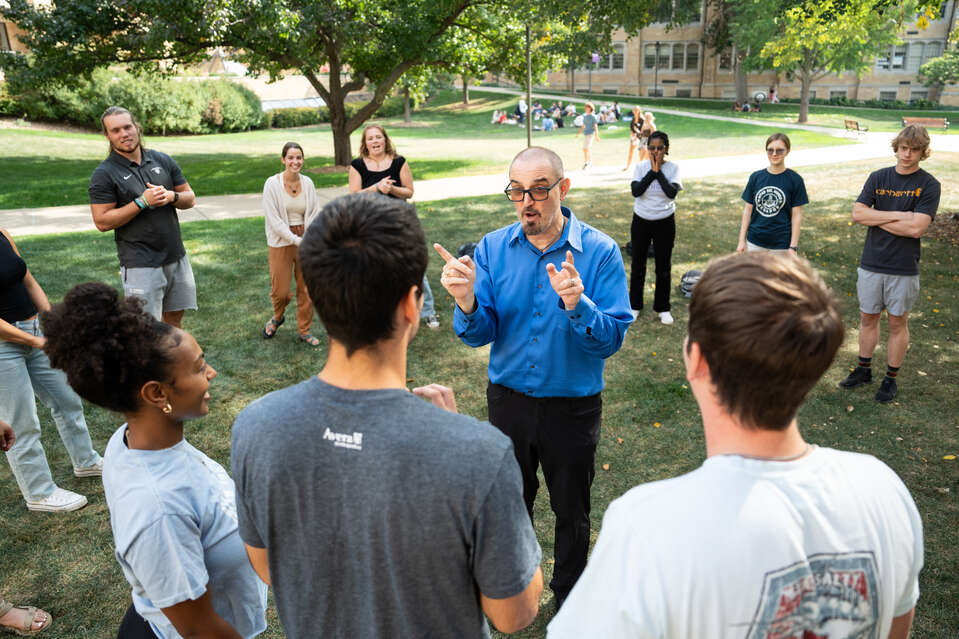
(902, 223)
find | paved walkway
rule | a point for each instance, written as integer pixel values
(61, 219)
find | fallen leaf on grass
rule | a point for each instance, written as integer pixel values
(948, 457)
(850, 408)
(922, 374)
(656, 424)
(605, 466)
(619, 440)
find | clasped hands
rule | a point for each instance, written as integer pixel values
(459, 280)
(157, 195)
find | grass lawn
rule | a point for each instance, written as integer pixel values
(446, 138)
(651, 424)
(819, 115)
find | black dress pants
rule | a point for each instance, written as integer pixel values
(561, 434)
(134, 626)
(662, 234)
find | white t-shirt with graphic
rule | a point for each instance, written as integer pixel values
(829, 545)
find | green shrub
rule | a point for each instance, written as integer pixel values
(306, 116)
(161, 105)
(919, 103)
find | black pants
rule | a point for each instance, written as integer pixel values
(561, 434)
(662, 233)
(134, 626)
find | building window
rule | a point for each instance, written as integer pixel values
(649, 56)
(692, 57)
(918, 95)
(915, 55)
(899, 56)
(888, 96)
(882, 62)
(838, 93)
(726, 60)
(4, 38)
(654, 93)
(678, 57)
(684, 93)
(663, 62)
(618, 57)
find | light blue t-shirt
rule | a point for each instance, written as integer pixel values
(173, 515)
(589, 124)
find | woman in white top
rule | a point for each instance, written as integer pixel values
(289, 205)
(655, 184)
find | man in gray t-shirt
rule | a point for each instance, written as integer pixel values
(375, 513)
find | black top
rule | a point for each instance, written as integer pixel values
(887, 190)
(634, 126)
(15, 302)
(369, 178)
(152, 237)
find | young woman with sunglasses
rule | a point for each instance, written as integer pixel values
(774, 199)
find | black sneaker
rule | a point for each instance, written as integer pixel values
(859, 376)
(887, 390)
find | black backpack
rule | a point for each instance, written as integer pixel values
(688, 282)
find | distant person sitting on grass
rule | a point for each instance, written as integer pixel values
(374, 513)
(897, 204)
(771, 536)
(172, 508)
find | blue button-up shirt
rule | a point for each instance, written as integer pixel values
(540, 348)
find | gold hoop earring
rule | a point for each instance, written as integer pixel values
(167, 409)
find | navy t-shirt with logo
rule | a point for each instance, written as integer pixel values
(152, 237)
(773, 196)
(887, 190)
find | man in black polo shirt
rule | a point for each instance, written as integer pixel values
(897, 204)
(135, 193)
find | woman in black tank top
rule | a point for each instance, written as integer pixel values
(380, 170)
(23, 364)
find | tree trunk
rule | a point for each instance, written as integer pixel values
(407, 113)
(342, 153)
(740, 75)
(466, 89)
(804, 98)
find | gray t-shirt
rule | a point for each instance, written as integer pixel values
(382, 515)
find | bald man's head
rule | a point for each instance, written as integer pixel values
(539, 154)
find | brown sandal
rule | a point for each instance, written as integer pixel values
(27, 628)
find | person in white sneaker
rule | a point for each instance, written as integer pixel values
(172, 508)
(772, 536)
(655, 184)
(25, 374)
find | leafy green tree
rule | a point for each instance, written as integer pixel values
(815, 38)
(939, 72)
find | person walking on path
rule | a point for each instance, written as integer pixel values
(549, 347)
(136, 193)
(380, 170)
(897, 204)
(771, 536)
(26, 374)
(289, 205)
(590, 132)
(774, 199)
(407, 517)
(655, 184)
(172, 508)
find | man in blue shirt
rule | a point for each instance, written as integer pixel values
(550, 293)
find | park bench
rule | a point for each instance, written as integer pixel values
(853, 125)
(941, 123)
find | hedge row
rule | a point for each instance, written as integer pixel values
(899, 105)
(168, 105)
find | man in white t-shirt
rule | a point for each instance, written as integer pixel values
(771, 536)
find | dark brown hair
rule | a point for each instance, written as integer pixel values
(365, 152)
(768, 327)
(288, 146)
(779, 136)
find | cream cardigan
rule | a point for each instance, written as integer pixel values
(278, 231)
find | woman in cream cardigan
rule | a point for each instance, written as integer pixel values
(289, 205)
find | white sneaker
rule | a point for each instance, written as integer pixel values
(90, 471)
(635, 314)
(666, 318)
(59, 501)
(433, 322)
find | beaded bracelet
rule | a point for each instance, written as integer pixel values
(139, 203)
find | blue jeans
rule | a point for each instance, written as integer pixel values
(428, 308)
(25, 371)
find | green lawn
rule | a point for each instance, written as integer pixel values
(819, 115)
(446, 138)
(65, 562)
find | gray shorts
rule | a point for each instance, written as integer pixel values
(164, 289)
(755, 247)
(895, 293)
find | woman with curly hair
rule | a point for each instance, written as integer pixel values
(25, 374)
(172, 508)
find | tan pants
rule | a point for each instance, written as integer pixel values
(283, 259)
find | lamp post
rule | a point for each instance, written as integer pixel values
(656, 80)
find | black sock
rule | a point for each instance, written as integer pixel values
(891, 371)
(865, 362)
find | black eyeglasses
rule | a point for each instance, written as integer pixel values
(656, 148)
(772, 151)
(537, 193)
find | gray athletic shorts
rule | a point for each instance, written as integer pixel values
(164, 289)
(895, 293)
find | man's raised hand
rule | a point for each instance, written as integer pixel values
(566, 282)
(459, 278)
(441, 396)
